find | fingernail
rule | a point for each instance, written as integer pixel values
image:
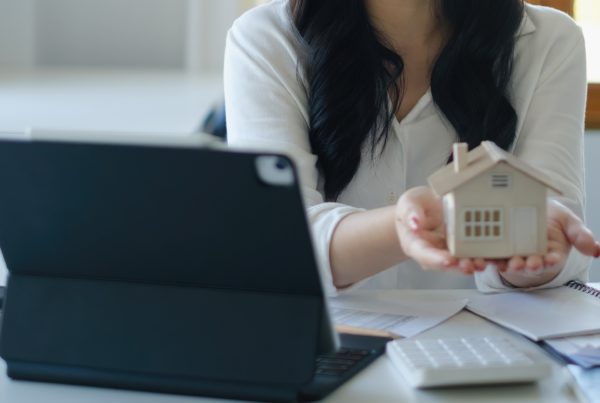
(413, 222)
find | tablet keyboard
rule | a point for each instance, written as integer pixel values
(463, 361)
(339, 362)
(335, 368)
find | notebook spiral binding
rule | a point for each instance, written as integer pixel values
(579, 286)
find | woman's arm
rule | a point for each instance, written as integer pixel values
(363, 245)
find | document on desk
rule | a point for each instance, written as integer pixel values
(542, 314)
(582, 350)
(399, 319)
(585, 382)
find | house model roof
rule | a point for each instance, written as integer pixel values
(480, 160)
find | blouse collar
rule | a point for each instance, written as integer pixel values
(527, 26)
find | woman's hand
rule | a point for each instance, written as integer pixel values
(565, 231)
(422, 233)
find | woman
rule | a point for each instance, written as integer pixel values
(368, 96)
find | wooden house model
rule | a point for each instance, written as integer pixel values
(494, 203)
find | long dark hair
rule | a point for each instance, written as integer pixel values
(351, 75)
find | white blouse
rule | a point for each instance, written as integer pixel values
(267, 109)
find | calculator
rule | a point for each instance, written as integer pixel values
(464, 361)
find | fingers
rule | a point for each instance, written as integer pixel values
(574, 230)
(466, 266)
(527, 271)
(427, 248)
(516, 263)
(501, 264)
(430, 257)
(419, 208)
(554, 258)
(416, 218)
(470, 266)
(533, 263)
(581, 238)
(421, 231)
(480, 264)
(558, 247)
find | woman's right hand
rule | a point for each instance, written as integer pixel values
(422, 233)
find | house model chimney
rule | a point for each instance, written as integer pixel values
(460, 157)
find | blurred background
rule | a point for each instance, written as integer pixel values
(118, 65)
(156, 66)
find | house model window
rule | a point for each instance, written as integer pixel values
(482, 223)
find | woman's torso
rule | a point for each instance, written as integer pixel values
(418, 145)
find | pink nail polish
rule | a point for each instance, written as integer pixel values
(413, 222)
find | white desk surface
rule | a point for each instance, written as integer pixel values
(377, 383)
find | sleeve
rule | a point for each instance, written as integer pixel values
(266, 106)
(552, 139)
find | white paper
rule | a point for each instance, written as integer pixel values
(583, 350)
(586, 383)
(542, 314)
(402, 318)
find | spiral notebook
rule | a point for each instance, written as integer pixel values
(570, 310)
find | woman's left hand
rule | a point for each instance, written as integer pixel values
(565, 231)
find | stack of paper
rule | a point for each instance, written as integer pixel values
(582, 350)
(394, 318)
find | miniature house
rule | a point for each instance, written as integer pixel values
(494, 203)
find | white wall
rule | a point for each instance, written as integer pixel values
(17, 33)
(208, 23)
(100, 33)
(173, 34)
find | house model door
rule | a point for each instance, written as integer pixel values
(524, 233)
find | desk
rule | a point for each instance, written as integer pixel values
(378, 383)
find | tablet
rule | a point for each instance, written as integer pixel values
(167, 266)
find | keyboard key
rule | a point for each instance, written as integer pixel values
(338, 361)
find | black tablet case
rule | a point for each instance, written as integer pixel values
(160, 269)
